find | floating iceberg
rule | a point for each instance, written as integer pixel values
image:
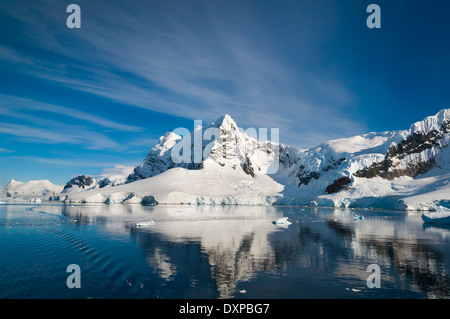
(145, 224)
(2, 202)
(282, 221)
(440, 216)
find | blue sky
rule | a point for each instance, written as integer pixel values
(81, 101)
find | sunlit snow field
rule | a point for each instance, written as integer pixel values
(219, 252)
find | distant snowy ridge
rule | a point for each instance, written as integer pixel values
(45, 190)
(31, 190)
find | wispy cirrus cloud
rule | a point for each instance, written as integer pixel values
(108, 166)
(195, 60)
(15, 106)
(29, 121)
(69, 135)
(4, 150)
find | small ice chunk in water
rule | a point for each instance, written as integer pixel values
(145, 224)
(282, 221)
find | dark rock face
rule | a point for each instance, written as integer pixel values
(334, 164)
(338, 184)
(135, 176)
(412, 170)
(285, 158)
(104, 182)
(414, 143)
(305, 177)
(382, 169)
(248, 168)
(158, 166)
(374, 170)
(81, 181)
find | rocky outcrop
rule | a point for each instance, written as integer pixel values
(80, 181)
(338, 185)
(304, 176)
(247, 167)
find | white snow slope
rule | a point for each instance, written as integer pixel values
(213, 185)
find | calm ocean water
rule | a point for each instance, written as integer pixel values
(219, 252)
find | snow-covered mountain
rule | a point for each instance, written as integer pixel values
(214, 164)
(219, 143)
(376, 169)
(222, 164)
